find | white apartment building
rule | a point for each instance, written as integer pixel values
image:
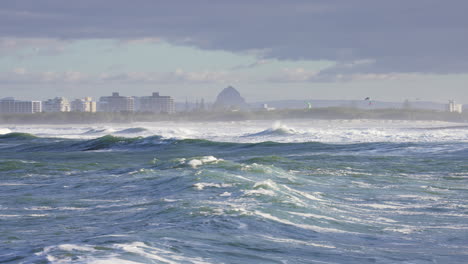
(11, 106)
(83, 105)
(453, 107)
(116, 103)
(156, 104)
(58, 104)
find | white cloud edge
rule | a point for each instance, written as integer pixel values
(286, 75)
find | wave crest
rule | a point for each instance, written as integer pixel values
(132, 130)
(17, 136)
(277, 129)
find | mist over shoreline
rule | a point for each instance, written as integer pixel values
(328, 113)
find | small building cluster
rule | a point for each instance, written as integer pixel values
(83, 105)
(114, 103)
(10, 105)
(452, 107)
(156, 104)
(58, 104)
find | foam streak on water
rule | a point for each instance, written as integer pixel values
(296, 192)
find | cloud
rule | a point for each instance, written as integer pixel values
(146, 40)
(340, 72)
(252, 65)
(293, 75)
(286, 75)
(426, 36)
(9, 46)
(23, 76)
(178, 76)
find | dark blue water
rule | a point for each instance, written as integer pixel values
(154, 200)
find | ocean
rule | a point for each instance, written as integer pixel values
(299, 191)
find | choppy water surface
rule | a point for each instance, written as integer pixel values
(305, 192)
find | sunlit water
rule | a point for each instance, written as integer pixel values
(235, 192)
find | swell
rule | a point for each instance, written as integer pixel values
(27, 142)
(133, 130)
(97, 131)
(17, 136)
(276, 131)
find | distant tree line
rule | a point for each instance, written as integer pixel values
(314, 113)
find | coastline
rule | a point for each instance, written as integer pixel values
(329, 113)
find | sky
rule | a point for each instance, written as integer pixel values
(268, 50)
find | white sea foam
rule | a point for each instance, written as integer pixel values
(48, 208)
(267, 184)
(9, 216)
(309, 215)
(328, 131)
(38, 208)
(4, 131)
(157, 254)
(382, 206)
(139, 171)
(167, 200)
(259, 192)
(85, 257)
(141, 249)
(267, 187)
(202, 185)
(403, 230)
(297, 242)
(15, 184)
(72, 247)
(111, 260)
(313, 196)
(87, 254)
(277, 129)
(194, 163)
(65, 247)
(303, 226)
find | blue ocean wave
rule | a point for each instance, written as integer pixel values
(157, 200)
(132, 130)
(30, 143)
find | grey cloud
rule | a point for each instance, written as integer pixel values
(42, 46)
(425, 36)
(251, 65)
(23, 76)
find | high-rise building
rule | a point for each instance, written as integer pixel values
(58, 104)
(116, 103)
(453, 107)
(156, 104)
(10, 105)
(83, 105)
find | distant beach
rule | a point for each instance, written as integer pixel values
(329, 113)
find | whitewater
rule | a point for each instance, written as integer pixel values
(296, 191)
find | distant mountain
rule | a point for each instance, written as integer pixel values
(229, 98)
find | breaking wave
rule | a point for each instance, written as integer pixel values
(132, 130)
(24, 142)
(17, 136)
(4, 131)
(277, 129)
(98, 131)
